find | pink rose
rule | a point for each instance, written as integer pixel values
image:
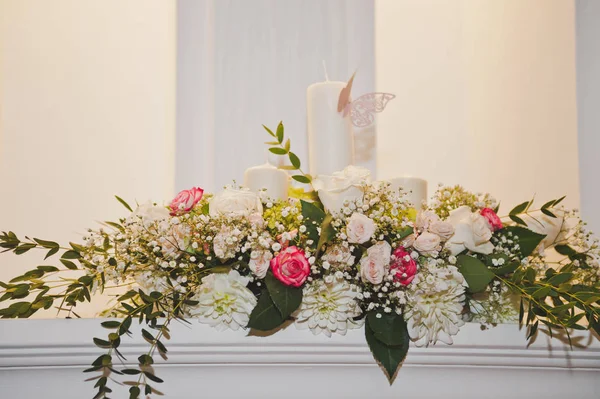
(291, 267)
(185, 201)
(492, 219)
(403, 267)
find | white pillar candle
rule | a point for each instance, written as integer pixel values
(267, 177)
(414, 188)
(330, 135)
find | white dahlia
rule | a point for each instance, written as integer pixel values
(328, 308)
(224, 301)
(435, 303)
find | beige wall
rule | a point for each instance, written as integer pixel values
(485, 95)
(86, 111)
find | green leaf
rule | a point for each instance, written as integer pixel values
(547, 212)
(134, 392)
(507, 268)
(541, 292)
(272, 142)
(519, 208)
(389, 357)
(294, 160)
(68, 264)
(145, 360)
(46, 244)
(48, 269)
(403, 233)
(152, 377)
(302, 179)
(287, 145)
(71, 255)
(278, 151)
(111, 324)
(387, 328)
(560, 278)
(51, 252)
(517, 220)
(268, 130)
(125, 204)
(565, 250)
(280, 132)
(477, 275)
(265, 316)
(313, 218)
(286, 299)
(528, 240)
(102, 343)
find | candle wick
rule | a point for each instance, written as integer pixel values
(325, 69)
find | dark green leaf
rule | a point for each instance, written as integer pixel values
(48, 269)
(102, 343)
(51, 252)
(541, 292)
(286, 299)
(565, 250)
(46, 244)
(265, 316)
(547, 212)
(130, 371)
(111, 324)
(134, 392)
(71, 255)
(517, 220)
(507, 268)
(125, 204)
(152, 377)
(389, 357)
(388, 328)
(328, 232)
(560, 278)
(527, 239)
(145, 360)
(519, 208)
(477, 275)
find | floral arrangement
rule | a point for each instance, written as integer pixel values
(348, 254)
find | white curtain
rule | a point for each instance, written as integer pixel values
(246, 63)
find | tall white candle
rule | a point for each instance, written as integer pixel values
(275, 181)
(330, 134)
(414, 188)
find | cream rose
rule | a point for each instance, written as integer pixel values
(235, 203)
(442, 229)
(376, 263)
(425, 219)
(259, 262)
(360, 228)
(471, 232)
(340, 187)
(427, 243)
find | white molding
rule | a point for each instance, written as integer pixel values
(54, 352)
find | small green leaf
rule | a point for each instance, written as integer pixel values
(286, 299)
(134, 392)
(51, 252)
(280, 132)
(528, 240)
(48, 269)
(301, 179)
(294, 160)
(519, 208)
(565, 250)
(560, 278)
(145, 360)
(477, 275)
(541, 292)
(102, 343)
(268, 130)
(152, 377)
(278, 151)
(111, 324)
(517, 220)
(125, 204)
(71, 255)
(46, 244)
(287, 145)
(547, 212)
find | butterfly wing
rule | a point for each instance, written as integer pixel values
(363, 109)
(344, 98)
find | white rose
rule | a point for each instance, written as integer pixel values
(151, 213)
(360, 228)
(471, 232)
(259, 262)
(376, 263)
(235, 203)
(427, 243)
(552, 228)
(444, 230)
(340, 187)
(425, 219)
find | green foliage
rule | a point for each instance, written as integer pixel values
(286, 299)
(527, 239)
(388, 341)
(265, 316)
(476, 273)
(281, 147)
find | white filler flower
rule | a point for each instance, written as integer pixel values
(225, 302)
(436, 300)
(328, 308)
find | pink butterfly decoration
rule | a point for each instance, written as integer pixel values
(363, 109)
